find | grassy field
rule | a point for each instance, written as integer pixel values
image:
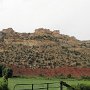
(38, 80)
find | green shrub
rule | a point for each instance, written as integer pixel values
(85, 77)
(70, 76)
(1, 69)
(80, 87)
(7, 72)
(4, 84)
(84, 87)
(61, 76)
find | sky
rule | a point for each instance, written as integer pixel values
(71, 17)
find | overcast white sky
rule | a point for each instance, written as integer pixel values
(71, 17)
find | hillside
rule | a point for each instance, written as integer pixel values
(43, 49)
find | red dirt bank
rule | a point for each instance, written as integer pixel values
(77, 72)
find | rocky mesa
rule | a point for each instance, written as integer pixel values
(43, 49)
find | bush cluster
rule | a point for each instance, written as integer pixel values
(80, 87)
(85, 77)
(4, 84)
(1, 69)
(5, 71)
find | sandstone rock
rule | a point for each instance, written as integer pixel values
(43, 49)
(2, 36)
(8, 30)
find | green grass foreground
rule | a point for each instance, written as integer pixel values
(37, 80)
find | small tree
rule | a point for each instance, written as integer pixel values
(1, 69)
(7, 72)
(69, 76)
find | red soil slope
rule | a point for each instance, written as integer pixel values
(77, 72)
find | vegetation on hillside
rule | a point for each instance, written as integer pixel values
(43, 49)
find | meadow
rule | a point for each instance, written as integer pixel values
(38, 80)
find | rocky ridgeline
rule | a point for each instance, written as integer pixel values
(43, 49)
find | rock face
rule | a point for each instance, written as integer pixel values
(9, 30)
(2, 36)
(43, 49)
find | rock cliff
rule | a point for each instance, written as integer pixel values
(43, 49)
